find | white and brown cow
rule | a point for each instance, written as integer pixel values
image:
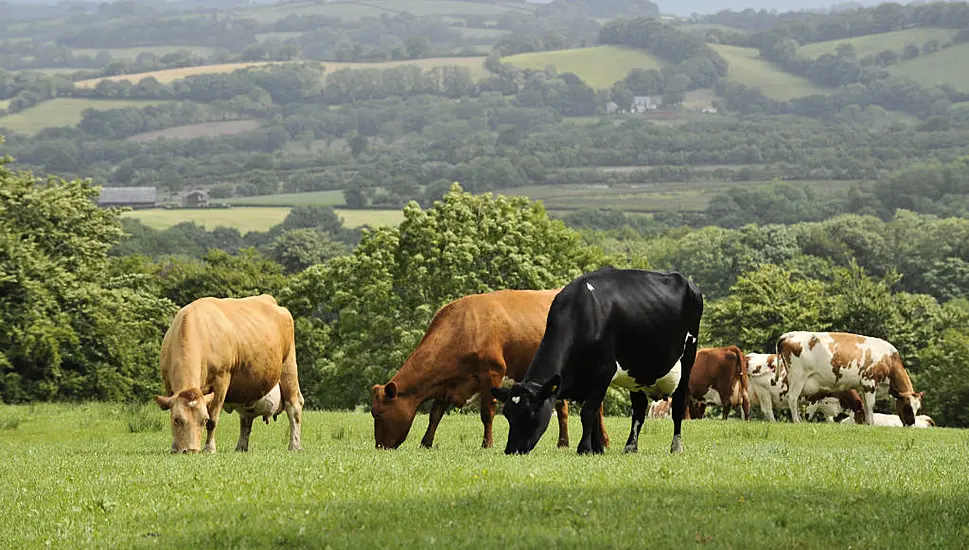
(764, 374)
(232, 354)
(893, 420)
(819, 363)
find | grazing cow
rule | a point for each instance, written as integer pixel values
(232, 354)
(720, 377)
(893, 420)
(630, 327)
(660, 408)
(765, 387)
(826, 362)
(473, 344)
(832, 405)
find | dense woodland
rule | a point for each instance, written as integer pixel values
(86, 296)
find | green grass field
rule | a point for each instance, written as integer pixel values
(941, 67)
(62, 112)
(374, 8)
(600, 66)
(315, 198)
(253, 218)
(874, 43)
(702, 28)
(652, 197)
(132, 53)
(748, 69)
(190, 131)
(4, 103)
(75, 476)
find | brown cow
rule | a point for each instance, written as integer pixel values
(473, 343)
(231, 353)
(719, 376)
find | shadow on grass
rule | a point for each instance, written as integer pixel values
(500, 515)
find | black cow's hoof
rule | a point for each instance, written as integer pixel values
(631, 449)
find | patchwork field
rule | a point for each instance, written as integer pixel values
(874, 43)
(61, 112)
(252, 218)
(190, 131)
(599, 66)
(942, 67)
(748, 69)
(77, 476)
(474, 64)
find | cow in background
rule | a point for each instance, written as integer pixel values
(719, 376)
(473, 344)
(629, 323)
(229, 354)
(833, 405)
(827, 362)
(893, 420)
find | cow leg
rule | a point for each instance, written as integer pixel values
(869, 404)
(725, 403)
(639, 402)
(438, 409)
(604, 436)
(245, 428)
(487, 417)
(219, 388)
(745, 405)
(793, 395)
(562, 413)
(292, 400)
(591, 441)
(681, 394)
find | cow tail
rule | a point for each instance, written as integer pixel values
(743, 369)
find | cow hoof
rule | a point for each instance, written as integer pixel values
(677, 446)
(631, 449)
(242, 449)
(295, 447)
(562, 443)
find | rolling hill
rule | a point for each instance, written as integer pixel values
(375, 8)
(746, 68)
(208, 129)
(874, 43)
(61, 112)
(941, 67)
(599, 66)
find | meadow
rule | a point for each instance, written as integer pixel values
(314, 198)
(190, 131)
(747, 68)
(100, 475)
(252, 218)
(62, 111)
(599, 66)
(937, 68)
(873, 43)
(374, 8)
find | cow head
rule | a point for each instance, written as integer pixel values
(392, 416)
(907, 405)
(189, 415)
(528, 409)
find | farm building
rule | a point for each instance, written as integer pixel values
(135, 197)
(197, 198)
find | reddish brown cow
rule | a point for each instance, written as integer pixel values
(472, 345)
(719, 376)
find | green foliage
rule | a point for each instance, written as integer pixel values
(945, 374)
(70, 330)
(220, 275)
(372, 307)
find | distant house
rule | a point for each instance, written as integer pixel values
(709, 110)
(644, 103)
(197, 198)
(612, 108)
(135, 197)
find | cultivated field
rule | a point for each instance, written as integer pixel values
(209, 129)
(600, 66)
(942, 67)
(874, 43)
(75, 476)
(62, 112)
(748, 69)
(252, 218)
(474, 64)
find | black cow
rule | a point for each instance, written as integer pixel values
(643, 320)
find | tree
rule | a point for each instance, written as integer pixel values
(911, 51)
(298, 249)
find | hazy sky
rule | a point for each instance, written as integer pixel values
(686, 7)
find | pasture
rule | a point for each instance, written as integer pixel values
(748, 69)
(314, 198)
(599, 66)
(62, 111)
(78, 476)
(873, 43)
(190, 131)
(355, 10)
(252, 218)
(937, 68)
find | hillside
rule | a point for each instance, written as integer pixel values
(746, 68)
(874, 43)
(375, 8)
(189, 131)
(474, 64)
(599, 67)
(61, 112)
(940, 67)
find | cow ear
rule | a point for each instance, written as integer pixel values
(208, 398)
(550, 387)
(390, 390)
(501, 394)
(164, 402)
(920, 395)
